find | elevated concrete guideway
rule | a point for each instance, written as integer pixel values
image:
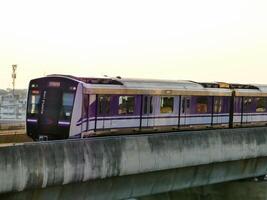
(179, 160)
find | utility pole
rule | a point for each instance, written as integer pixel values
(14, 76)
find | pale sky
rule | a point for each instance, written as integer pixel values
(207, 40)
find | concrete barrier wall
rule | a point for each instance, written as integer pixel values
(141, 185)
(38, 165)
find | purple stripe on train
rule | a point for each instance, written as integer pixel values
(205, 124)
(81, 121)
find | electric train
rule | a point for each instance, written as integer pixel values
(62, 106)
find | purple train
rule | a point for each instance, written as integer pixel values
(61, 107)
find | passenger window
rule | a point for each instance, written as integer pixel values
(202, 104)
(261, 104)
(166, 104)
(103, 104)
(126, 105)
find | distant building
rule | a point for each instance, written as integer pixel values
(13, 107)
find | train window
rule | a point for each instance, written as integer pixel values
(218, 103)
(33, 107)
(202, 104)
(103, 104)
(148, 107)
(166, 104)
(248, 104)
(126, 105)
(261, 104)
(67, 104)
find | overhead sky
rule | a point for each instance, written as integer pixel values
(207, 40)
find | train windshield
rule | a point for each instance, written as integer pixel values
(67, 104)
(34, 101)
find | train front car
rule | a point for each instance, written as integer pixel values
(50, 107)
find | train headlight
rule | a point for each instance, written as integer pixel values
(73, 88)
(34, 85)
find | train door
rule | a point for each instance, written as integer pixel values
(107, 107)
(103, 112)
(248, 109)
(50, 109)
(238, 111)
(217, 109)
(85, 113)
(148, 116)
(185, 110)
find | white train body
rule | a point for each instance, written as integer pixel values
(61, 107)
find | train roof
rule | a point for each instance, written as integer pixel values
(259, 91)
(119, 85)
(155, 87)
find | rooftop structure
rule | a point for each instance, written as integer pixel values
(13, 107)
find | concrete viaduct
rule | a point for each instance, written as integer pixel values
(123, 167)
